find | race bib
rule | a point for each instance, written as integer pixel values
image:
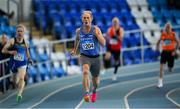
(19, 57)
(88, 46)
(113, 41)
(167, 42)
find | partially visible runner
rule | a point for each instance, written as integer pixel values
(170, 44)
(114, 44)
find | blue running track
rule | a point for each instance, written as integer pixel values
(134, 88)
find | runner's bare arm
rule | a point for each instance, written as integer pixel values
(177, 42)
(121, 34)
(76, 44)
(7, 46)
(158, 43)
(27, 50)
(99, 36)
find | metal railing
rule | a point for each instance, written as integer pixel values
(3, 73)
(142, 46)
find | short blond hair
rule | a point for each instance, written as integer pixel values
(21, 26)
(115, 19)
(87, 11)
(167, 24)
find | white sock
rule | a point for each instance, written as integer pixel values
(160, 80)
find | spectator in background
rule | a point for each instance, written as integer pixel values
(170, 44)
(173, 4)
(3, 13)
(114, 42)
(4, 40)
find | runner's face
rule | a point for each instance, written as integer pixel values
(168, 28)
(115, 24)
(20, 32)
(4, 39)
(86, 19)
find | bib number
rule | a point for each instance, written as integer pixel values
(167, 42)
(113, 41)
(88, 46)
(19, 57)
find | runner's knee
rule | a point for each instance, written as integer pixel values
(85, 72)
(85, 69)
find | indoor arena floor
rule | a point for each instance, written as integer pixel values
(134, 88)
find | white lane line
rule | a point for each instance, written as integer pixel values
(47, 82)
(125, 82)
(58, 90)
(52, 93)
(37, 85)
(131, 92)
(79, 104)
(140, 88)
(12, 94)
(112, 85)
(170, 99)
(151, 70)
